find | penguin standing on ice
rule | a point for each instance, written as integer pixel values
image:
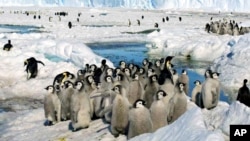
(32, 67)
(196, 94)
(139, 120)
(244, 94)
(8, 46)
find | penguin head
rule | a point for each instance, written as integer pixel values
(151, 72)
(160, 94)
(174, 72)
(104, 62)
(153, 78)
(215, 75)
(181, 86)
(50, 89)
(131, 66)
(57, 88)
(208, 73)
(127, 71)
(26, 62)
(139, 103)
(117, 89)
(122, 64)
(109, 71)
(145, 62)
(68, 84)
(245, 81)
(135, 76)
(117, 71)
(142, 70)
(108, 78)
(80, 72)
(197, 82)
(184, 71)
(93, 67)
(90, 79)
(79, 85)
(157, 63)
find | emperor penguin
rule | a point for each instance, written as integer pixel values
(122, 65)
(32, 67)
(120, 111)
(145, 64)
(8, 46)
(159, 111)
(196, 94)
(139, 120)
(211, 91)
(66, 94)
(80, 75)
(80, 108)
(136, 89)
(178, 103)
(61, 77)
(52, 106)
(183, 78)
(150, 90)
(244, 94)
(166, 71)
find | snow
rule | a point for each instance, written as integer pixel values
(207, 5)
(63, 49)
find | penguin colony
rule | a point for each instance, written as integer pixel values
(132, 99)
(224, 26)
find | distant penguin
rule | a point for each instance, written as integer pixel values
(52, 106)
(159, 111)
(156, 25)
(8, 46)
(32, 67)
(183, 78)
(211, 91)
(69, 24)
(142, 17)
(178, 104)
(129, 23)
(138, 22)
(180, 19)
(167, 18)
(244, 94)
(120, 111)
(196, 94)
(34, 17)
(163, 20)
(139, 120)
(80, 108)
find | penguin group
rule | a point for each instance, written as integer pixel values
(224, 26)
(133, 99)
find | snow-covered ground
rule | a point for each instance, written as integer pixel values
(63, 49)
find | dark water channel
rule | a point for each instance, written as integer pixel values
(22, 29)
(135, 53)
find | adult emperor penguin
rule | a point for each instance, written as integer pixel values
(211, 91)
(183, 78)
(32, 67)
(178, 103)
(151, 88)
(120, 111)
(159, 111)
(166, 71)
(80, 108)
(61, 77)
(196, 94)
(244, 94)
(139, 120)
(52, 106)
(8, 46)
